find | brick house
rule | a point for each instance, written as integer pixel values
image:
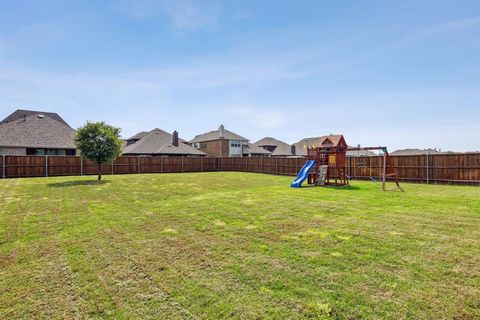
(221, 143)
(29, 132)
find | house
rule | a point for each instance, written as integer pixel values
(277, 148)
(329, 140)
(252, 150)
(29, 132)
(221, 143)
(159, 143)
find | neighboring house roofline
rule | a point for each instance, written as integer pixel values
(20, 114)
(37, 132)
(158, 142)
(281, 148)
(216, 135)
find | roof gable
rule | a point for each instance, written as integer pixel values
(253, 149)
(20, 114)
(36, 132)
(215, 135)
(281, 148)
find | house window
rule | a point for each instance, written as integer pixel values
(235, 144)
(35, 152)
(50, 152)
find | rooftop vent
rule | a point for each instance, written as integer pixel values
(40, 116)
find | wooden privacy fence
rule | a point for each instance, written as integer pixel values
(447, 168)
(439, 168)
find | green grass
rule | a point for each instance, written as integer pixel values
(236, 245)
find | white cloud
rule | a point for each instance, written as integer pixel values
(259, 117)
(186, 15)
(429, 32)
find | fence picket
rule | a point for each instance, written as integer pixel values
(4, 167)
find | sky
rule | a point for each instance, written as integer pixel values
(405, 74)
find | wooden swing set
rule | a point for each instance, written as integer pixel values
(331, 161)
(387, 168)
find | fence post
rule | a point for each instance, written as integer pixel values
(348, 166)
(113, 171)
(246, 164)
(182, 165)
(384, 168)
(261, 164)
(427, 167)
(81, 166)
(4, 165)
(296, 166)
(276, 165)
(138, 164)
(201, 164)
(46, 165)
(161, 164)
(218, 164)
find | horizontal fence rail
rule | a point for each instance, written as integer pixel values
(445, 168)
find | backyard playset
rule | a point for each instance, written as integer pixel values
(327, 164)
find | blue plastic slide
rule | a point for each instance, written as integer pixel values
(303, 174)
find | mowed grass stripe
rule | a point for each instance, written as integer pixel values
(236, 245)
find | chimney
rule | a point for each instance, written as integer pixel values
(175, 138)
(221, 131)
(358, 145)
(292, 148)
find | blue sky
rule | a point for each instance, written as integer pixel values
(397, 73)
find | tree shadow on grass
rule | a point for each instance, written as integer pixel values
(78, 183)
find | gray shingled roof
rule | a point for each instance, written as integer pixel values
(253, 149)
(302, 145)
(157, 142)
(20, 114)
(35, 132)
(138, 136)
(281, 148)
(215, 135)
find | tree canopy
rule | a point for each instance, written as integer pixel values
(99, 142)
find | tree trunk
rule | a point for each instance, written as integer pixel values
(99, 171)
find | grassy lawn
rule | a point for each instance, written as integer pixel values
(236, 245)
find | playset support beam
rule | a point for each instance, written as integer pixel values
(385, 162)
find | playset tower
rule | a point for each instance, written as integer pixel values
(330, 158)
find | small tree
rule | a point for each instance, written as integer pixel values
(99, 142)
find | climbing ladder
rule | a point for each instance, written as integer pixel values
(322, 175)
